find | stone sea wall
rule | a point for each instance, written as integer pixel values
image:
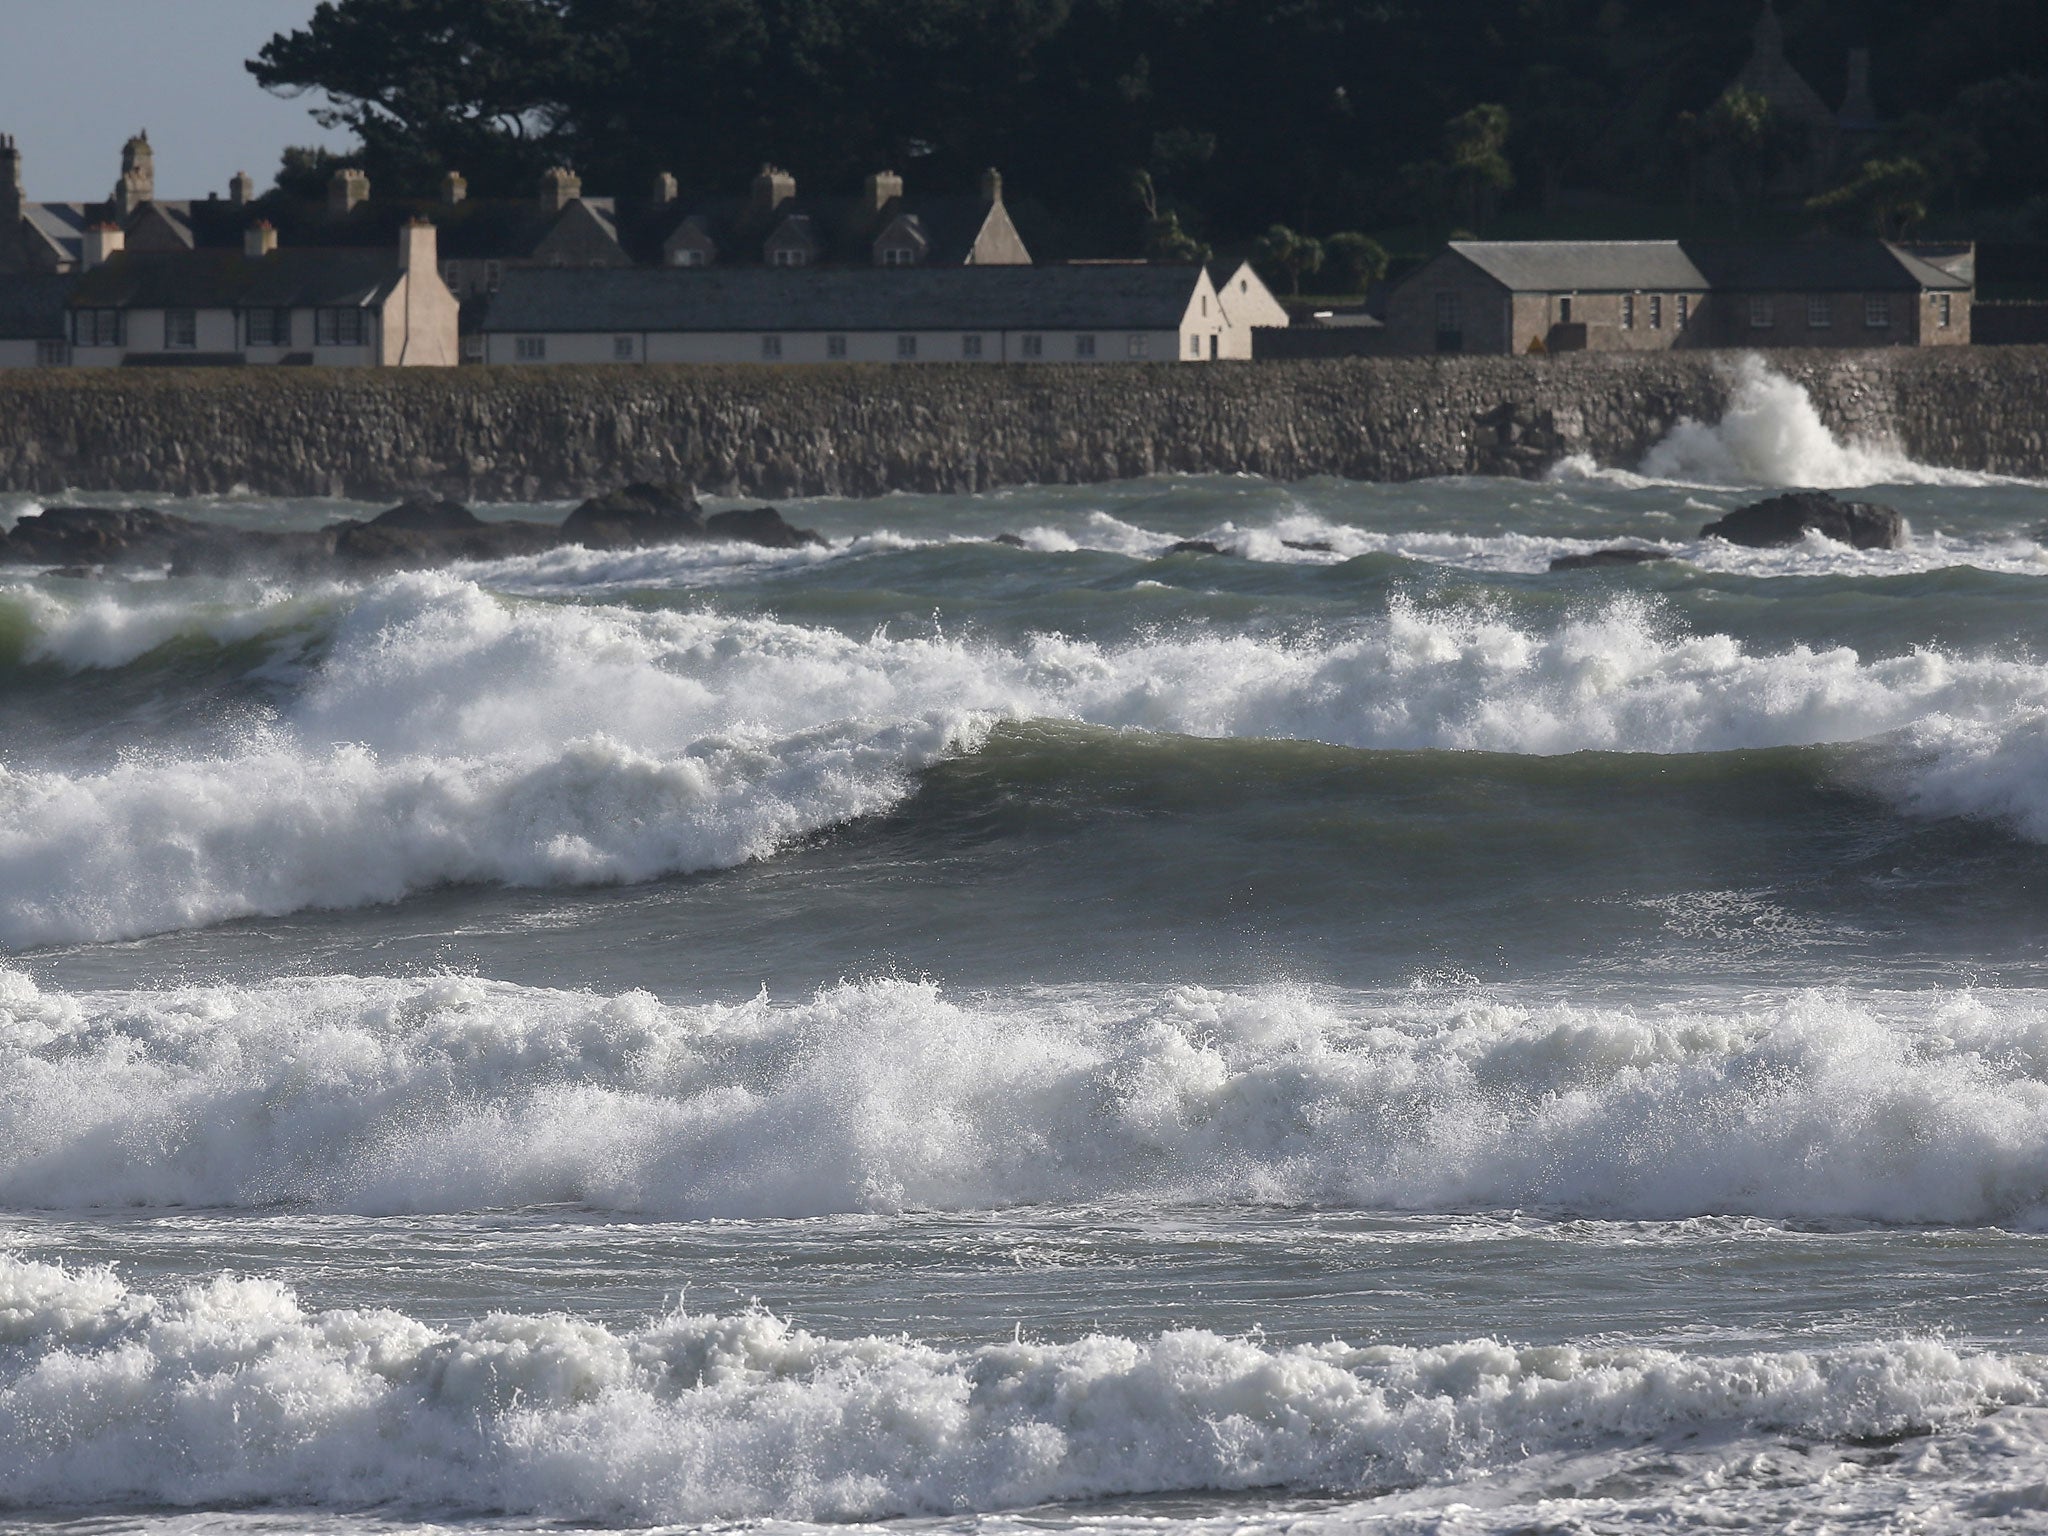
(518, 434)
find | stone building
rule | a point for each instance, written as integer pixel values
(209, 308)
(1106, 313)
(1658, 295)
(50, 237)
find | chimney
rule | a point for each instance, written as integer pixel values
(138, 175)
(103, 242)
(454, 188)
(664, 190)
(10, 186)
(772, 188)
(418, 246)
(242, 189)
(880, 190)
(348, 189)
(992, 185)
(259, 239)
(559, 187)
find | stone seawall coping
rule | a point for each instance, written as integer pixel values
(512, 434)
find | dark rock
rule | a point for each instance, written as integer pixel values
(1598, 558)
(633, 516)
(1195, 547)
(1312, 546)
(1009, 539)
(1789, 518)
(75, 536)
(428, 517)
(403, 545)
(759, 525)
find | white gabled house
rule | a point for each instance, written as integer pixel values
(1108, 313)
(331, 308)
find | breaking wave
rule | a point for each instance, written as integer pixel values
(438, 734)
(456, 1094)
(234, 1392)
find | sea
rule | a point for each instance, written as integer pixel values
(1353, 1033)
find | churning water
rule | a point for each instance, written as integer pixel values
(1354, 1033)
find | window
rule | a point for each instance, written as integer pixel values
(1205, 306)
(267, 328)
(181, 330)
(906, 348)
(898, 256)
(1138, 346)
(1194, 346)
(622, 349)
(1034, 346)
(52, 353)
(531, 349)
(1656, 311)
(1084, 346)
(1684, 310)
(451, 274)
(1449, 313)
(1761, 315)
(1877, 311)
(1628, 311)
(98, 328)
(771, 349)
(835, 346)
(970, 346)
(341, 327)
(1820, 312)
(1564, 311)
(788, 256)
(473, 347)
(686, 257)
(494, 274)
(1942, 301)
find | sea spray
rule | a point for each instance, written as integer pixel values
(457, 1094)
(233, 1391)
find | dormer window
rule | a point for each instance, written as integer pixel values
(688, 256)
(898, 256)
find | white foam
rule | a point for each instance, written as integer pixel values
(1770, 434)
(233, 1392)
(379, 1096)
(447, 735)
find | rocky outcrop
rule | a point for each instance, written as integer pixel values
(411, 535)
(513, 434)
(1787, 519)
(1600, 559)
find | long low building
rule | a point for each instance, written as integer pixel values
(1084, 313)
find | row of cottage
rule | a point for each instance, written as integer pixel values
(771, 279)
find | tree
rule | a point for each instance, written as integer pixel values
(1887, 198)
(1355, 262)
(1475, 153)
(1742, 132)
(1281, 249)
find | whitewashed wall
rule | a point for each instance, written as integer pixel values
(861, 347)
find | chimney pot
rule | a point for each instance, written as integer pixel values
(259, 239)
(772, 188)
(242, 189)
(665, 191)
(559, 187)
(348, 189)
(454, 188)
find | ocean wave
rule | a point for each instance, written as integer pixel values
(233, 1392)
(455, 1094)
(446, 735)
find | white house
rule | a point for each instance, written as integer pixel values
(333, 308)
(1106, 313)
(1249, 305)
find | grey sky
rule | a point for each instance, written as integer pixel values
(78, 76)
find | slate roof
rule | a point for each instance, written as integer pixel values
(1583, 266)
(1820, 266)
(285, 279)
(32, 307)
(1130, 298)
(844, 227)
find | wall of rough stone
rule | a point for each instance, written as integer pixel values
(515, 434)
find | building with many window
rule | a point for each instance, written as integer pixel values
(334, 308)
(1084, 313)
(1657, 295)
